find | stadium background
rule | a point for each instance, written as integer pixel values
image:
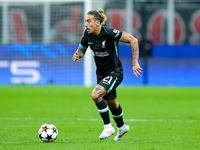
(38, 40)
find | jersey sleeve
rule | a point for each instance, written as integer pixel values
(116, 34)
(84, 42)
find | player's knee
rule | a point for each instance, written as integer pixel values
(98, 93)
(96, 97)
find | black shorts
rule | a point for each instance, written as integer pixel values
(110, 83)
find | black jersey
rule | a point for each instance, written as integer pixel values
(105, 50)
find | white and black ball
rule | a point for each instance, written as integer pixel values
(48, 132)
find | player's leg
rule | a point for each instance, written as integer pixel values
(117, 113)
(116, 110)
(115, 79)
(97, 95)
(114, 106)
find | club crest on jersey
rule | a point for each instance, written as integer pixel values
(103, 44)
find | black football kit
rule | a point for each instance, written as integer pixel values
(106, 55)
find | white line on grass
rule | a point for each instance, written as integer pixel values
(143, 120)
(92, 119)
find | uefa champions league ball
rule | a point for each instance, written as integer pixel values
(48, 132)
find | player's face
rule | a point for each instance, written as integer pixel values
(91, 23)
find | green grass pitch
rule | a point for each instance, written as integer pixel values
(160, 118)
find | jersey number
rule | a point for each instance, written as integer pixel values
(107, 80)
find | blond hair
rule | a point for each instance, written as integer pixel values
(104, 17)
(99, 15)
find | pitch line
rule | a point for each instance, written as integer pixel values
(93, 119)
(143, 120)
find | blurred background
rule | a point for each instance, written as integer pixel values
(38, 39)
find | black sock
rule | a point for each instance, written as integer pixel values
(104, 111)
(118, 116)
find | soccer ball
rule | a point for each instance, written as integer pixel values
(48, 132)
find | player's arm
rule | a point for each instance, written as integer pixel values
(127, 38)
(78, 54)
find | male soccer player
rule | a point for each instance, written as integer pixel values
(103, 42)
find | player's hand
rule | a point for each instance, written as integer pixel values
(75, 57)
(137, 70)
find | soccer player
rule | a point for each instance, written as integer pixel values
(103, 42)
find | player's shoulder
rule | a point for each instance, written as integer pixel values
(107, 29)
(111, 32)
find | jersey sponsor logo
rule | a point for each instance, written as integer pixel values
(101, 54)
(103, 44)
